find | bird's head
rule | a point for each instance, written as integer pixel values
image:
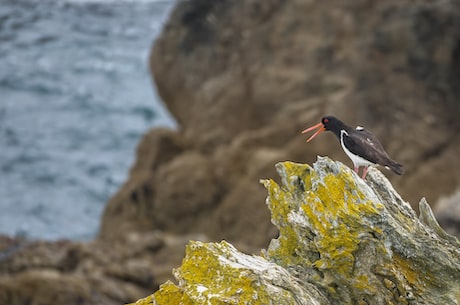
(327, 123)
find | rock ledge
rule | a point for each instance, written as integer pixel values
(342, 241)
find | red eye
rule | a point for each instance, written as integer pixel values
(325, 120)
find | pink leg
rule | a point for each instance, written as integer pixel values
(356, 169)
(366, 169)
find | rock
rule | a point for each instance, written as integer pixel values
(243, 78)
(99, 272)
(447, 211)
(233, 277)
(133, 208)
(342, 241)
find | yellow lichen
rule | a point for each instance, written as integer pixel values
(335, 212)
(170, 294)
(288, 247)
(215, 278)
(145, 301)
(210, 274)
(411, 275)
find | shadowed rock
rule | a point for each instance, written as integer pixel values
(342, 241)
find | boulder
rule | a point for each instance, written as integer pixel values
(342, 241)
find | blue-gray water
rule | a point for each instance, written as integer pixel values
(75, 99)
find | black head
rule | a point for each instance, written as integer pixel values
(327, 123)
(333, 124)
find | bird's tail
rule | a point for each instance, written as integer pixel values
(396, 167)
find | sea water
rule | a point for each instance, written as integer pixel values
(75, 98)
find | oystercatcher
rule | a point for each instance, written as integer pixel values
(361, 146)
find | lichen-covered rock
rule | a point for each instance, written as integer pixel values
(342, 240)
(358, 241)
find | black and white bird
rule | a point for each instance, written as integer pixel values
(361, 146)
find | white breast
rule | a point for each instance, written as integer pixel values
(357, 160)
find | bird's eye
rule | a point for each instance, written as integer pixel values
(325, 121)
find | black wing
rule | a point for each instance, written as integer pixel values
(364, 144)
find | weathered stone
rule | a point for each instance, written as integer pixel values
(342, 240)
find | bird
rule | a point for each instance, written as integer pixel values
(360, 145)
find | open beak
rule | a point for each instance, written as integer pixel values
(320, 127)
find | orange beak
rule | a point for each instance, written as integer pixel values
(320, 127)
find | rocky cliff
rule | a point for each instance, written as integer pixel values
(342, 241)
(242, 78)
